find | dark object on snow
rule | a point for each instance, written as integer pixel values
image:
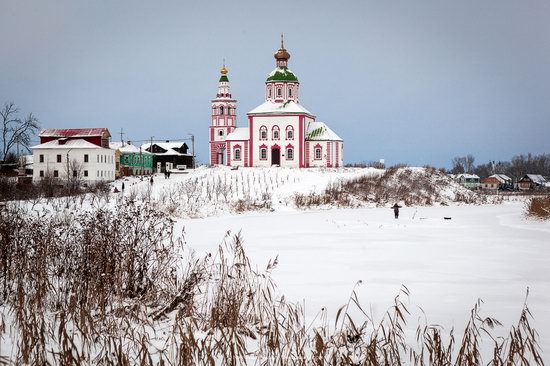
(151, 180)
(447, 218)
(122, 186)
(115, 190)
(396, 208)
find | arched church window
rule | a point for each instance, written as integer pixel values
(279, 92)
(263, 154)
(220, 132)
(290, 92)
(263, 133)
(318, 153)
(221, 110)
(289, 133)
(275, 133)
(269, 92)
(237, 154)
(289, 153)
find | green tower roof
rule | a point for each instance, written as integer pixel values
(281, 74)
(224, 78)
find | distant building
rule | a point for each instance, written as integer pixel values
(74, 154)
(280, 132)
(470, 181)
(496, 182)
(490, 184)
(131, 160)
(169, 155)
(531, 182)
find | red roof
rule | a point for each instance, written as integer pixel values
(490, 180)
(74, 132)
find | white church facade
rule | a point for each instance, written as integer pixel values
(280, 132)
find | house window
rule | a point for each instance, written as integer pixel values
(85, 173)
(85, 158)
(237, 154)
(41, 158)
(318, 153)
(263, 154)
(289, 154)
(42, 174)
(56, 173)
(59, 158)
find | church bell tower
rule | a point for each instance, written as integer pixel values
(224, 120)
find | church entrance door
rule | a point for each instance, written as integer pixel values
(220, 155)
(275, 156)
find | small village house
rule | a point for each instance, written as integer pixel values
(169, 155)
(131, 160)
(531, 182)
(496, 182)
(490, 184)
(80, 154)
(470, 181)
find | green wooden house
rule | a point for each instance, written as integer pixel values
(132, 160)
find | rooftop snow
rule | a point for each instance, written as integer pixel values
(289, 107)
(239, 134)
(73, 132)
(69, 144)
(319, 131)
(537, 178)
(168, 146)
(127, 148)
(281, 74)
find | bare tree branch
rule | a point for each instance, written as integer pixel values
(14, 130)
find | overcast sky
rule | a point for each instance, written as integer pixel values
(415, 82)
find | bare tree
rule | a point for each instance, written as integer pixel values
(469, 160)
(74, 174)
(16, 130)
(459, 165)
(463, 164)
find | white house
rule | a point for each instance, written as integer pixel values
(69, 155)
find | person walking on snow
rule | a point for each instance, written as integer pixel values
(396, 208)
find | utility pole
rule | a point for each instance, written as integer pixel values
(121, 139)
(151, 151)
(193, 147)
(68, 168)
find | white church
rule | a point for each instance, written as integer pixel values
(280, 132)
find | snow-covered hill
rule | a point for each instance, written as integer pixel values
(213, 191)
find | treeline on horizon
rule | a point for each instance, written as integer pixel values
(516, 168)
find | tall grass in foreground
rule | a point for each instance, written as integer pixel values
(121, 288)
(539, 207)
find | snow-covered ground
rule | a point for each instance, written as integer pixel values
(490, 252)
